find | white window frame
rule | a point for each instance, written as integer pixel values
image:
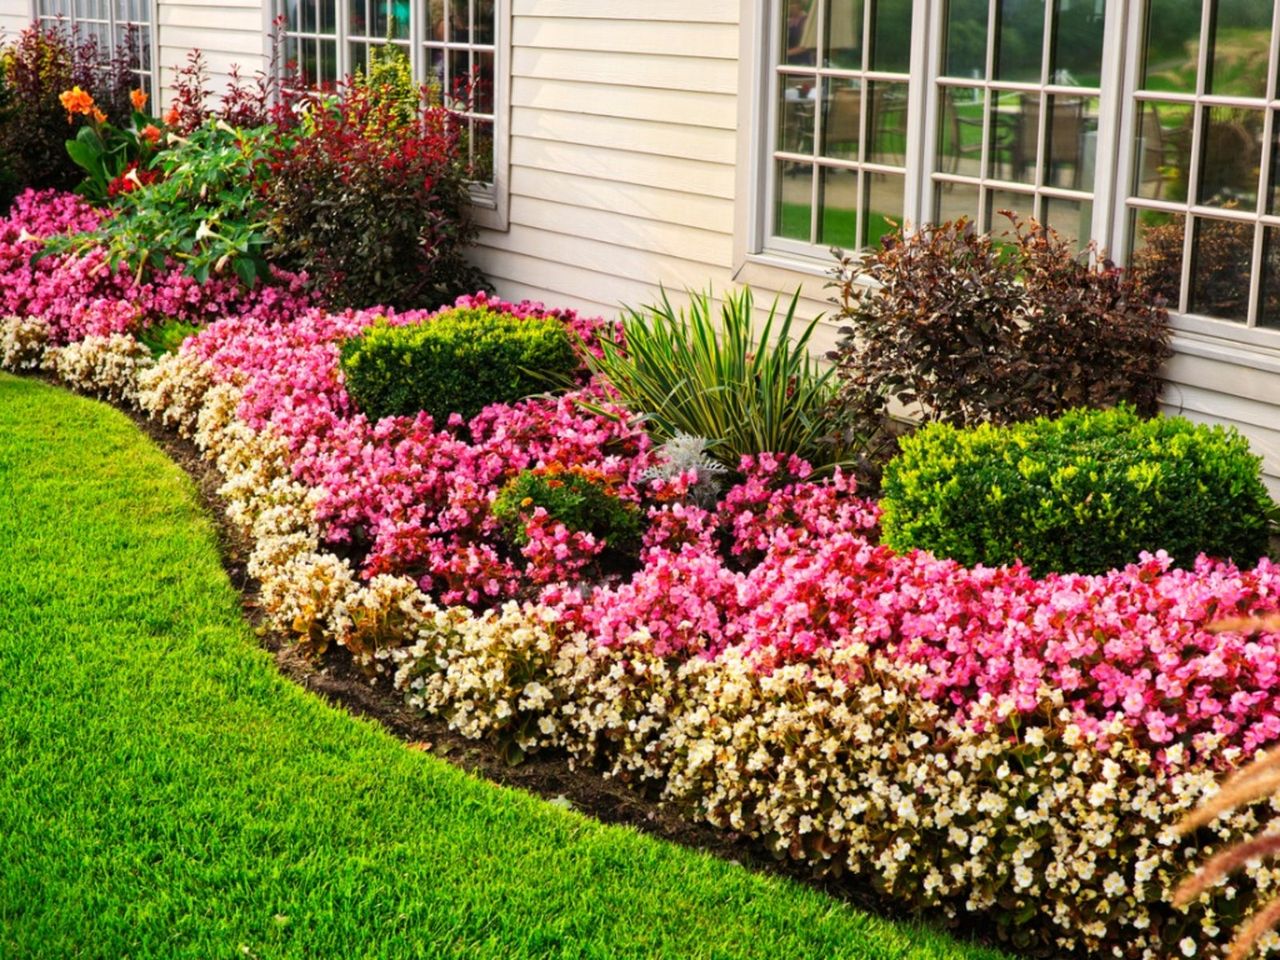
(490, 200)
(72, 20)
(762, 258)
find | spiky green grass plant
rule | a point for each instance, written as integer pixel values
(709, 373)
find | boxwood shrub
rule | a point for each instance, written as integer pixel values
(459, 361)
(1085, 492)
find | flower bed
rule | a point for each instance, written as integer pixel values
(970, 739)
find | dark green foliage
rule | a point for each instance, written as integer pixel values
(583, 500)
(1083, 493)
(167, 336)
(975, 329)
(458, 362)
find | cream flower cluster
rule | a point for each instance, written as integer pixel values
(106, 366)
(22, 343)
(1059, 835)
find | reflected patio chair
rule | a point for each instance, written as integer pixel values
(1064, 139)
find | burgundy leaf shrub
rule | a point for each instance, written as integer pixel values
(976, 329)
(374, 204)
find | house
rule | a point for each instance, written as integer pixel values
(715, 141)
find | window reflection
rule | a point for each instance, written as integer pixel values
(1221, 262)
(1231, 157)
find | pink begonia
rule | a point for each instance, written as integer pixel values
(415, 496)
(78, 295)
(786, 564)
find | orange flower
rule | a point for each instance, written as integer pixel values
(139, 99)
(171, 116)
(150, 133)
(98, 116)
(76, 101)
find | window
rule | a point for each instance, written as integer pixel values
(1151, 126)
(116, 25)
(1017, 100)
(840, 93)
(452, 43)
(1203, 202)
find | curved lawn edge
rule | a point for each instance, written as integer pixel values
(164, 792)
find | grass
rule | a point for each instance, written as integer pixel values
(165, 793)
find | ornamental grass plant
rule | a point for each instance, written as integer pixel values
(706, 373)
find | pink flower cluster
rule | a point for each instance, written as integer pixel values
(81, 295)
(1130, 645)
(411, 496)
(784, 566)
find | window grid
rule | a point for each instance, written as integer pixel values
(838, 151)
(1031, 134)
(1237, 233)
(114, 24)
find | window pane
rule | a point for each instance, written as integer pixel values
(357, 23)
(887, 123)
(882, 206)
(795, 129)
(843, 48)
(1162, 163)
(481, 151)
(484, 82)
(966, 41)
(1071, 142)
(328, 61)
(838, 194)
(1076, 56)
(1021, 32)
(951, 201)
(842, 118)
(435, 20)
(794, 206)
(1155, 254)
(1231, 155)
(1240, 46)
(1072, 219)
(1015, 130)
(1023, 204)
(800, 32)
(1172, 46)
(458, 93)
(459, 22)
(960, 131)
(484, 21)
(891, 36)
(1269, 302)
(1221, 258)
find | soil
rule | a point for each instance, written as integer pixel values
(339, 681)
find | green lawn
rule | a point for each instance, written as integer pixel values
(165, 793)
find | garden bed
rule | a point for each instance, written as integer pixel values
(968, 740)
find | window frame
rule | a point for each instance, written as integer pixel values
(490, 200)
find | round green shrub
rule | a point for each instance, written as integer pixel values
(1083, 493)
(459, 361)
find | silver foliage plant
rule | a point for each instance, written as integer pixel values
(685, 452)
